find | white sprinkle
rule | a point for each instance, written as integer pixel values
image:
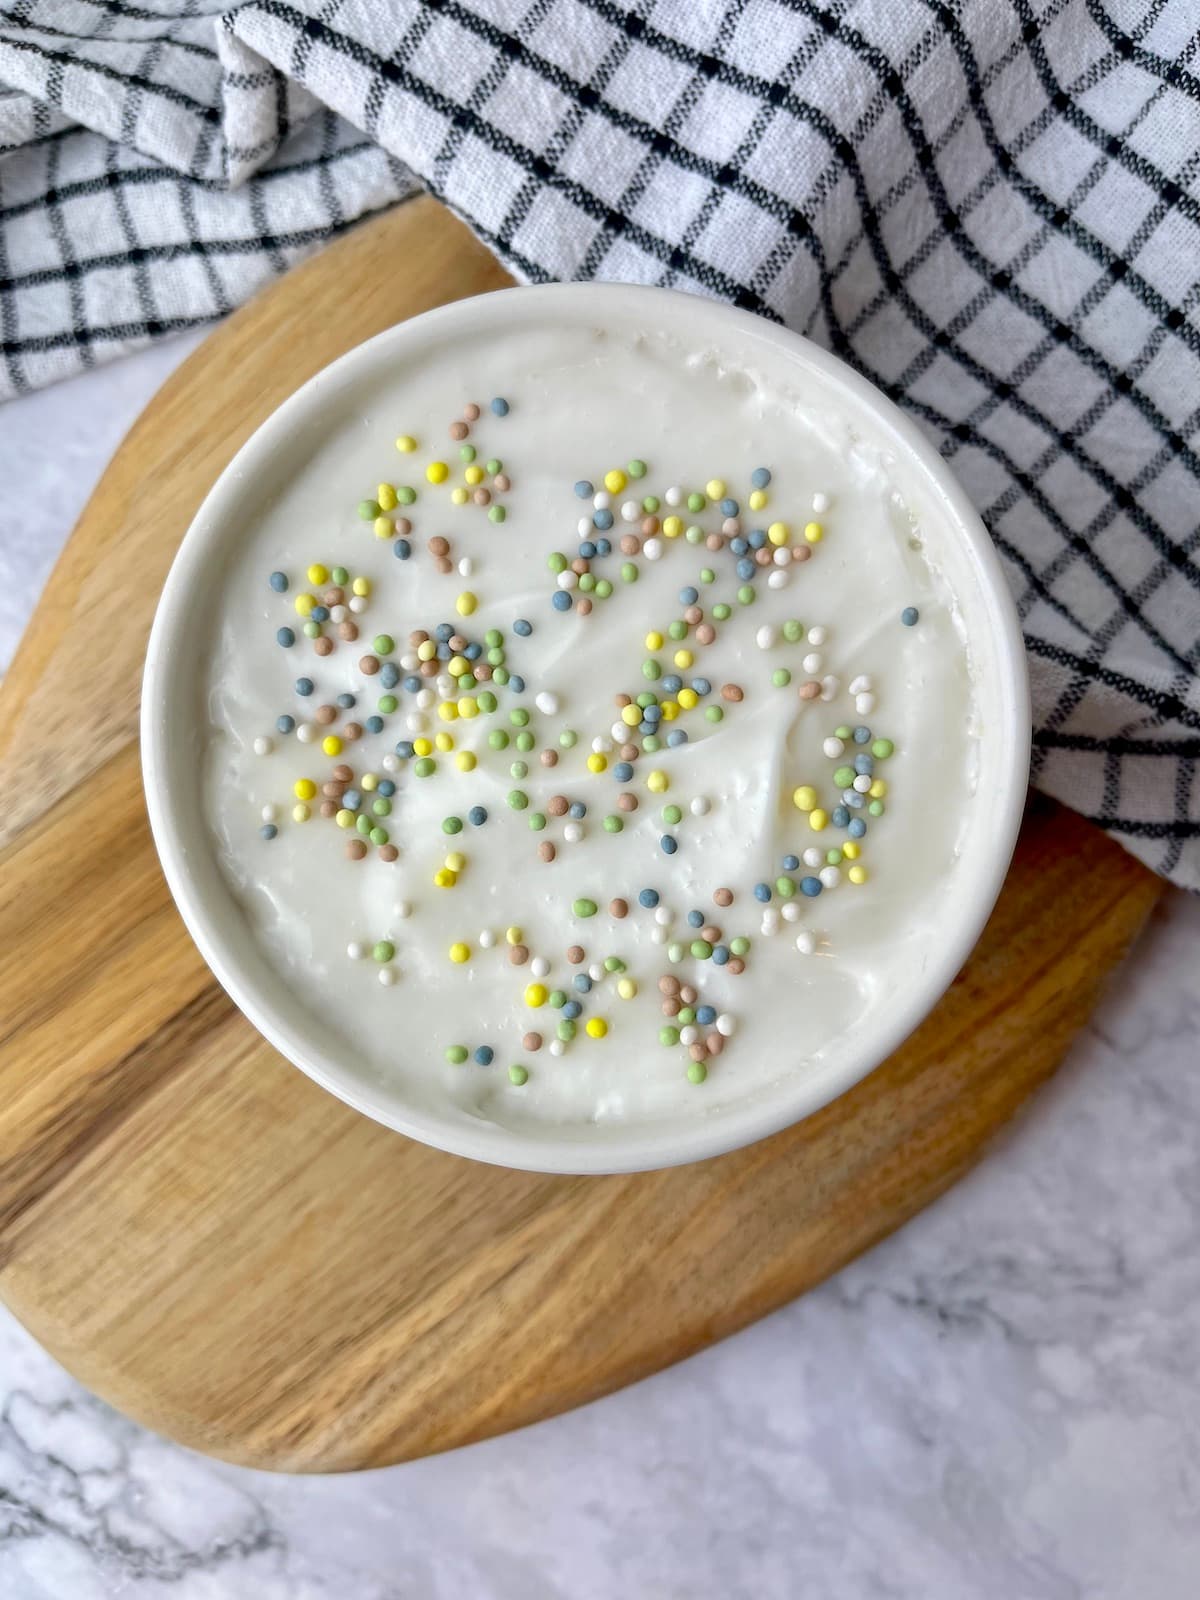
(659, 935)
(830, 877)
(416, 722)
(674, 495)
(547, 702)
(834, 747)
(486, 939)
(338, 613)
(270, 813)
(700, 806)
(820, 502)
(466, 567)
(356, 950)
(732, 527)
(765, 637)
(864, 704)
(402, 910)
(777, 578)
(812, 857)
(583, 527)
(446, 685)
(770, 920)
(573, 832)
(862, 783)
(263, 746)
(388, 976)
(652, 549)
(390, 763)
(306, 732)
(596, 972)
(817, 635)
(539, 966)
(688, 1034)
(805, 943)
(358, 604)
(557, 1047)
(726, 1025)
(619, 730)
(791, 911)
(829, 687)
(567, 579)
(425, 699)
(601, 745)
(812, 662)
(410, 661)
(664, 916)
(783, 557)
(602, 500)
(860, 685)
(630, 511)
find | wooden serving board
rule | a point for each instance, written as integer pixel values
(233, 1257)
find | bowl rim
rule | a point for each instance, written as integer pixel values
(641, 1146)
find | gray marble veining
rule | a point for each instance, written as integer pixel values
(1001, 1402)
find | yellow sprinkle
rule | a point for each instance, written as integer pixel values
(688, 699)
(757, 500)
(448, 711)
(460, 953)
(465, 603)
(512, 935)
(596, 1028)
(455, 861)
(445, 878)
(317, 573)
(814, 532)
(361, 586)
(457, 665)
(536, 994)
(437, 472)
(654, 640)
(683, 658)
(474, 476)
(465, 760)
(672, 527)
(304, 789)
(468, 706)
(657, 782)
(304, 604)
(597, 763)
(301, 813)
(386, 496)
(878, 789)
(427, 650)
(444, 741)
(344, 818)
(406, 444)
(422, 747)
(627, 988)
(670, 710)
(331, 745)
(615, 481)
(779, 533)
(850, 850)
(804, 798)
(383, 527)
(857, 874)
(459, 496)
(631, 716)
(715, 488)
(369, 781)
(818, 819)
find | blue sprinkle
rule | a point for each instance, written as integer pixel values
(647, 727)
(760, 478)
(604, 547)
(387, 788)
(623, 771)
(571, 1010)
(790, 863)
(669, 844)
(587, 549)
(499, 409)
(857, 828)
(648, 898)
(389, 677)
(653, 714)
(472, 651)
(729, 508)
(584, 489)
(695, 919)
(560, 600)
(516, 683)
(720, 955)
(444, 632)
(477, 816)
(864, 765)
(352, 799)
(278, 582)
(746, 568)
(405, 749)
(520, 626)
(701, 686)
(602, 519)
(688, 596)
(402, 549)
(319, 614)
(285, 724)
(672, 683)
(762, 891)
(413, 682)
(578, 810)
(862, 735)
(852, 798)
(268, 830)
(485, 1055)
(347, 701)
(811, 887)
(758, 538)
(444, 652)
(910, 616)
(706, 1015)
(676, 737)
(582, 982)
(285, 637)
(739, 546)
(304, 686)
(840, 816)
(374, 724)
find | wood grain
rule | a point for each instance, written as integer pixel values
(234, 1258)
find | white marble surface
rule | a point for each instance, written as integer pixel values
(1002, 1402)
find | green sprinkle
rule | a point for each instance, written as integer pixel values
(844, 732)
(686, 1014)
(844, 777)
(636, 469)
(678, 629)
(697, 1072)
(781, 677)
(613, 823)
(713, 714)
(388, 704)
(651, 503)
(378, 836)
(876, 808)
(584, 908)
(312, 630)
(603, 589)
(487, 701)
(792, 630)
(405, 496)
(537, 821)
(696, 501)
(456, 1054)
(722, 612)
(498, 739)
(629, 572)
(493, 638)
(452, 824)
(424, 766)
(525, 740)
(671, 815)
(613, 964)
(363, 823)
(495, 655)
(739, 946)
(498, 514)
(383, 951)
(586, 583)
(519, 717)
(465, 680)
(675, 951)
(557, 562)
(568, 738)
(668, 1036)
(517, 1074)
(466, 452)
(746, 594)
(646, 699)
(785, 887)
(651, 669)
(707, 575)
(382, 807)
(651, 743)
(383, 644)
(882, 748)
(519, 769)
(500, 675)
(565, 1030)
(340, 575)
(558, 998)
(518, 799)
(833, 857)
(495, 465)
(701, 949)
(368, 510)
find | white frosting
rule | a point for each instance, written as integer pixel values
(584, 401)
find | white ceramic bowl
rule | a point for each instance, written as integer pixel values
(179, 645)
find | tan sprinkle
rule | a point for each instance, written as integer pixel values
(731, 691)
(546, 851)
(518, 954)
(618, 908)
(575, 954)
(323, 645)
(471, 411)
(723, 897)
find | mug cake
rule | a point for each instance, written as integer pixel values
(590, 725)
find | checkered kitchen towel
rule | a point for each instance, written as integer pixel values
(990, 207)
